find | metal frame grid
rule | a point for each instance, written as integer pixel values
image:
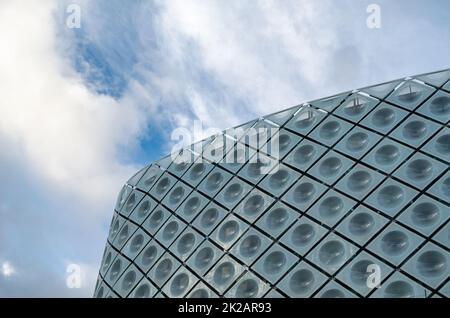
(349, 193)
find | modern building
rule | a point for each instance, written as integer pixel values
(347, 196)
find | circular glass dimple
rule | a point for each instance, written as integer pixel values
(144, 208)
(179, 284)
(180, 166)
(197, 170)
(409, 94)
(107, 261)
(150, 180)
(213, 181)
(254, 169)
(394, 243)
(425, 214)
(303, 234)
(170, 230)
(333, 293)
(156, 218)
(224, 273)
(121, 197)
(100, 292)
(128, 280)
(186, 243)
(361, 224)
(136, 243)
(200, 293)
(123, 235)
(330, 207)
(445, 187)
(130, 202)
(387, 155)
(250, 245)
(355, 107)
(305, 120)
(359, 272)
(191, 206)
(399, 289)
(215, 152)
(332, 253)
(302, 281)
(279, 179)
(330, 167)
(115, 270)
(176, 195)
(304, 154)
(415, 129)
(304, 192)
(274, 262)
(204, 257)
(357, 141)
(162, 185)
(149, 255)
(383, 117)
(390, 196)
(330, 129)
(442, 144)
(420, 169)
(115, 228)
(209, 217)
(233, 192)
(254, 205)
(440, 105)
(229, 231)
(432, 264)
(359, 181)
(247, 288)
(163, 269)
(277, 218)
(284, 140)
(143, 291)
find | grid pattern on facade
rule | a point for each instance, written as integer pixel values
(363, 179)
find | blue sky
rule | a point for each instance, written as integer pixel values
(83, 109)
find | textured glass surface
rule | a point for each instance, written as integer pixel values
(356, 204)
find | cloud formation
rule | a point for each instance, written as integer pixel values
(61, 140)
(82, 109)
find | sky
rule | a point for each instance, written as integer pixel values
(82, 109)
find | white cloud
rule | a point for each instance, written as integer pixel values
(68, 134)
(63, 146)
(263, 54)
(63, 141)
(65, 138)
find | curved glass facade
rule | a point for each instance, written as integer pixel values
(347, 196)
